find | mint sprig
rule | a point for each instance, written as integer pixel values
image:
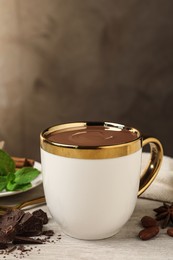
(7, 164)
(12, 179)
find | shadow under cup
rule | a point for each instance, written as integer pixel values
(92, 175)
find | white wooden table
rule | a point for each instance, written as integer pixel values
(124, 245)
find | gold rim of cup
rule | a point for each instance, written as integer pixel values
(89, 152)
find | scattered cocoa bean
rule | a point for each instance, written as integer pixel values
(148, 233)
(147, 221)
(170, 232)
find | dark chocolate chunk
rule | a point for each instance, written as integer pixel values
(7, 234)
(26, 240)
(18, 227)
(3, 246)
(48, 233)
(31, 234)
(42, 215)
(11, 218)
(29, 224)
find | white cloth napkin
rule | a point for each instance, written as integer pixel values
(162, 187)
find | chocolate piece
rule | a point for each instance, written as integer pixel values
(17, 227)
(3, 246)
(48, 233)
(41, 215)
(8, 225)
(29, 224)
(11, 218)
(7, 234)
(26, 240)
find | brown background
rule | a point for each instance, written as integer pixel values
(68, 60)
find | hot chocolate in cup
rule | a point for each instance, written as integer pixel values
(92, 175)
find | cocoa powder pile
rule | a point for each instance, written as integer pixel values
(19, 230)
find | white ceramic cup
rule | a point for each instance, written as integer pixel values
(91, 191)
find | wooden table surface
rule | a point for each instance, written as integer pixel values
(124, 245)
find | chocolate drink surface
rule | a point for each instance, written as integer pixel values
(92, 136)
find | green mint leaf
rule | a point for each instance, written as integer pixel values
(24, 186)
(12, 186)
(7, 164)
(3, 182)
(10, 177)
(25, 175)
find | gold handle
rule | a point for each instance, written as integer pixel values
(152, 169)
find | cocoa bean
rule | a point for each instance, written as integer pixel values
(147, 221)
(170, 232)
(148, 233)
